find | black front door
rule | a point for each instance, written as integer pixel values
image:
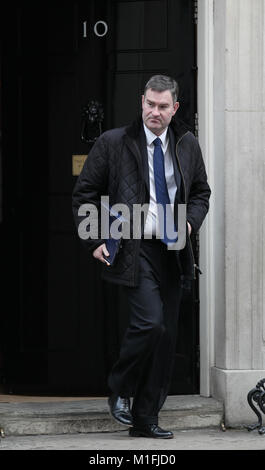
(61, 324)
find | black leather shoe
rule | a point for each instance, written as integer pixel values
(150, 430)
(120, 409)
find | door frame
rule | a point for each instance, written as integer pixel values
(205, 62)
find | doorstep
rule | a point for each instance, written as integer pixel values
(59, 415)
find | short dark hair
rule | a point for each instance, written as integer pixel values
(163, 83)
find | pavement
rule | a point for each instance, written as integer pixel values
(100, 443)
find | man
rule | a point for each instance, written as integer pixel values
(156, 160)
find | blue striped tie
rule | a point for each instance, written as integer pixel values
(162, 196)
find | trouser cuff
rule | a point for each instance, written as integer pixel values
(139, 421)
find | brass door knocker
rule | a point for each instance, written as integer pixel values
(92, 118)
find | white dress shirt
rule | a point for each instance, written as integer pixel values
(151, 224)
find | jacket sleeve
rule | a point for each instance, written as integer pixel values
(90, 185)
(198, 199)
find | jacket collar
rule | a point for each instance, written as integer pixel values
(179, 128)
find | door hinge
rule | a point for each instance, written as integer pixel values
(196, 125)
(195, 11)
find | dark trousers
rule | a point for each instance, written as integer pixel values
(145, 364)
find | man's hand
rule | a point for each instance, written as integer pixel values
(99, 252)
(189, 228)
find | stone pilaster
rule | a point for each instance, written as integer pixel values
(239, 136)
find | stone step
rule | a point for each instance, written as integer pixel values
(92, 415)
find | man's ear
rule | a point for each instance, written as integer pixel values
(176, 107)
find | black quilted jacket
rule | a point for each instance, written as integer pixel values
(117, 167)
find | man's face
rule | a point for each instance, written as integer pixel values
(158, 109)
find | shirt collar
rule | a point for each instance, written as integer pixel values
(150, 136)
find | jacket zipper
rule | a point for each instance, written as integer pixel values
(180, 169)
(195, 266)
